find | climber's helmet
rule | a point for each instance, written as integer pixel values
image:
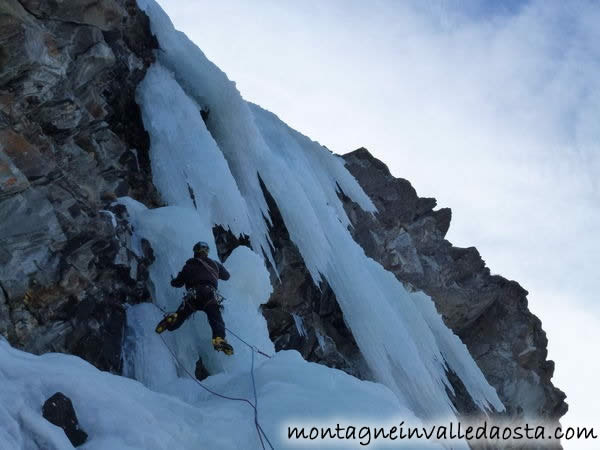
(201, 248)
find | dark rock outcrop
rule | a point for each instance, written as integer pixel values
(71, 140)
(488, 312)
(301, 315)
(59, 411)
(201, 371)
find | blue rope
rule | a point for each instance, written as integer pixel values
(259, 429)
(256, 406)
(254, 348)
(256, 403)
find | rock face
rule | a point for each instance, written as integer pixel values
(71, 139)
(59, 411)
(488, 312)
(104, 15)
(303, 316)
(300, 315)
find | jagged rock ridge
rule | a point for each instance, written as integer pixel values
(488, 312)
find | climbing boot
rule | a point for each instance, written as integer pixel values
(167, 322)
(221, 345)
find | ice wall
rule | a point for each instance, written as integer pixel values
(405, 343)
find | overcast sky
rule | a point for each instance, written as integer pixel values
(493, 110)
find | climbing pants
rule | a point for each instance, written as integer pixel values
(202, 298)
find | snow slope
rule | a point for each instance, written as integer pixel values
(122, 414)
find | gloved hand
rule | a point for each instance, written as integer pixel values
(173, 281)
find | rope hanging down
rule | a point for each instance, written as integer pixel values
(259, 430)
(252, 347)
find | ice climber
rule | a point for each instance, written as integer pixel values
(200, 275)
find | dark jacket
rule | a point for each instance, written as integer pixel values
(200, 271)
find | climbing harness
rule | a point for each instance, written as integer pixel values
(259, 430)
(192, 293)
(220, 299)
